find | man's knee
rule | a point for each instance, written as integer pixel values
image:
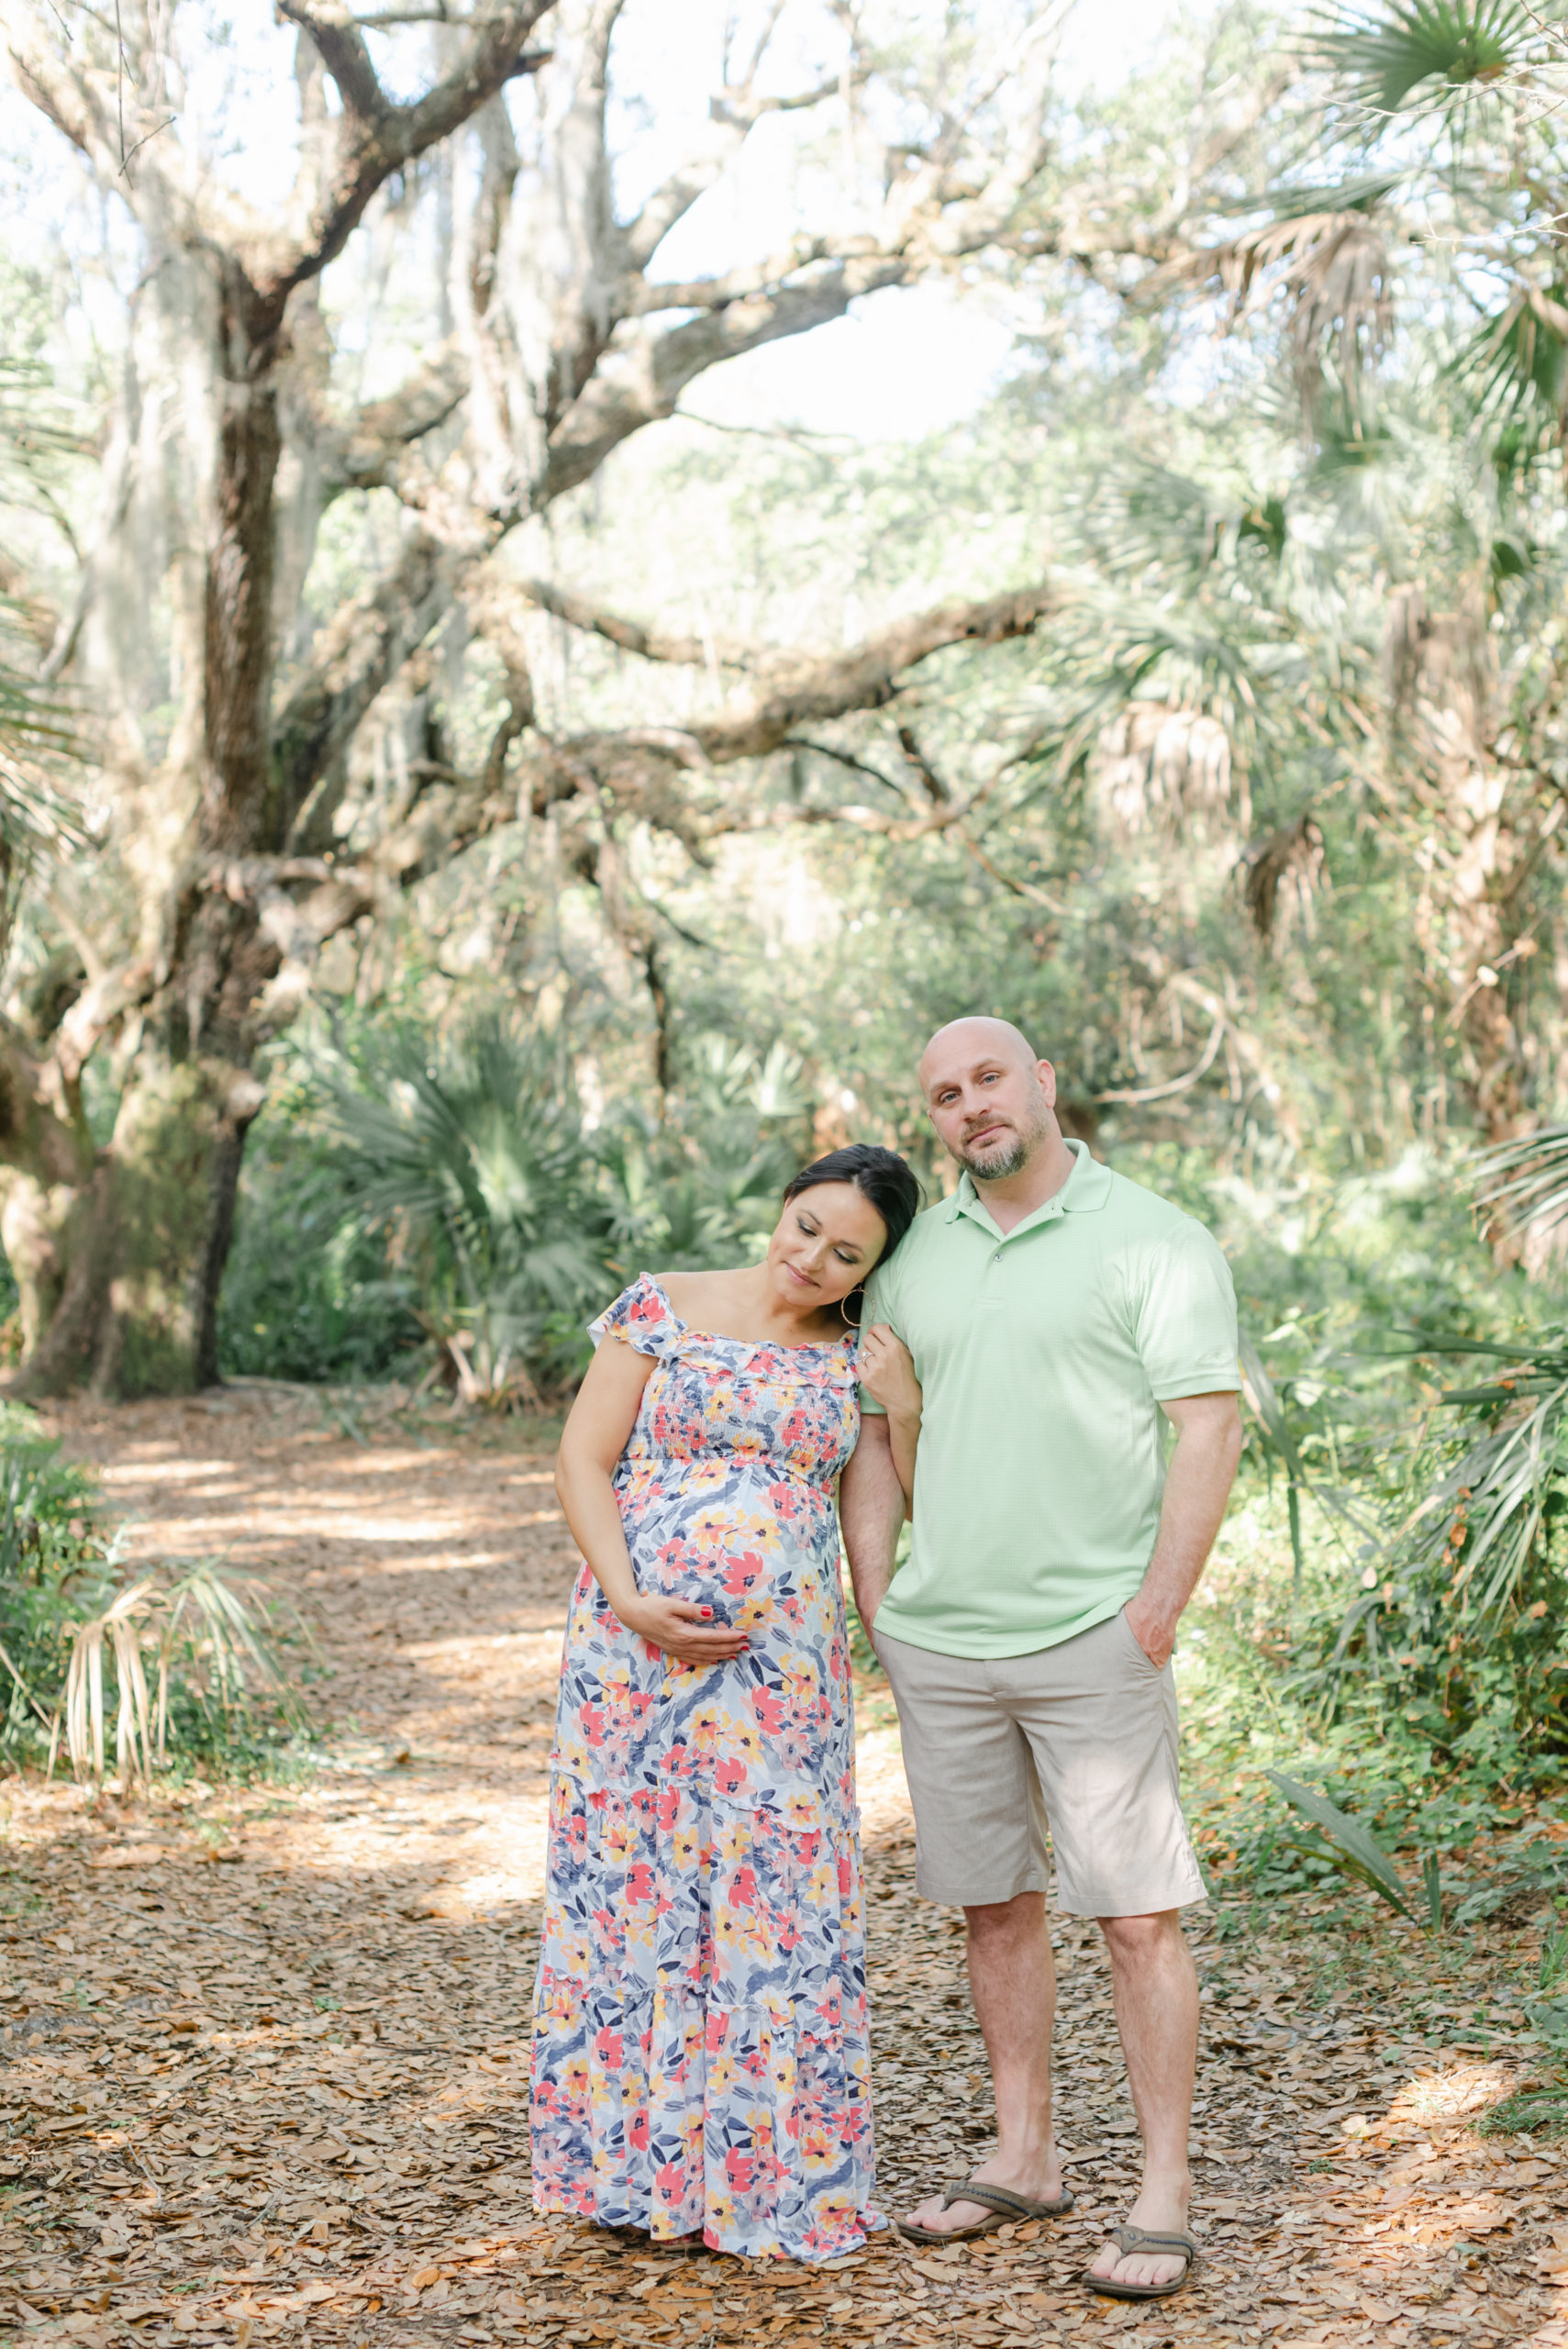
(1137, 1941)
(1001, 1921)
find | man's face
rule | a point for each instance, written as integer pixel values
(991, 1106)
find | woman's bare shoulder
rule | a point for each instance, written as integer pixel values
(694, 1293)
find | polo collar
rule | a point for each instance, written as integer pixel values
(1085, 1190)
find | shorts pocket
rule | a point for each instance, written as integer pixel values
(1139, 1654)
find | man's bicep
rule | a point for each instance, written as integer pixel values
(1214, 1413)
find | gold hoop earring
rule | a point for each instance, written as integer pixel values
(844, 1317)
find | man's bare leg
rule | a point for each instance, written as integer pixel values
(1013, 1982)
(1155, 1986)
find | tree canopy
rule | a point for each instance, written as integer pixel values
(412, 618)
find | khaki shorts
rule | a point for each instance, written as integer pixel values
(1078, 1741)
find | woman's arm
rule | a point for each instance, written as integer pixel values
(592, 1443)
(887, 1369)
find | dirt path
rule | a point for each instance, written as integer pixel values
(265, 2051)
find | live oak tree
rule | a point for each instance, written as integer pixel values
(226, 726)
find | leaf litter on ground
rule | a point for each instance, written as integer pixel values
(266, 2046)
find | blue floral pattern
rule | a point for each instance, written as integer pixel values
(700, 2055)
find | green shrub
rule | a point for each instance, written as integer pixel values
(181, 1662)
(413, 1202)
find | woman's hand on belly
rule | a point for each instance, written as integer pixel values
(683, 1629)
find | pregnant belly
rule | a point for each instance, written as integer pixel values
(737, 1539)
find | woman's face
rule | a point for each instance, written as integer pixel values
(823, 1244)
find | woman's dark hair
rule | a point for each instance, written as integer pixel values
(882, 1178)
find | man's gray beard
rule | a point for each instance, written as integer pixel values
(995, 1165)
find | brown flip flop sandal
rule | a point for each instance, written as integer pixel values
(1005, 2209)
(1131, 2238)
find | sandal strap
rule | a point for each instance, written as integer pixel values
(992, 2198)
(1129, 2239)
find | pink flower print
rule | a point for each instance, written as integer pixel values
(784, 1500)
(739, 2170)
(729, 1777)
(846, 1875)
(608, 2048)
(667, 1809)
(768, 1707)
(743, 1574)
(595, 1723)
(636, 2133)
(744, 1888)
(671, 2181)
(639, 1882)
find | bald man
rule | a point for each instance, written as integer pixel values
(1058, 1317)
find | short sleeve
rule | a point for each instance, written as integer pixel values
(643, 1316)
(1184, 1316)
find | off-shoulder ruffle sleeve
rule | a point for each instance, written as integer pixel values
(643, 1316)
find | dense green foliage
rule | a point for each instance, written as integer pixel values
(424, 1190)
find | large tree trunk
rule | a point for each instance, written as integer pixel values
(120, 1274)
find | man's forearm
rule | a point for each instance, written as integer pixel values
(1197, 1487)
(871, 1511)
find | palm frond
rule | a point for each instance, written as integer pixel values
(1324, 265)
(1516, 364)
(204, 1628)
(1430, 51)
(1527, 1177)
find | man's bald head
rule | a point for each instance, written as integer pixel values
(990, 1099)
(982, 1033)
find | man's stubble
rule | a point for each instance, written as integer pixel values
(1008, 1158)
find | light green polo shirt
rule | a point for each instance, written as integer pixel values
(1044, 1354)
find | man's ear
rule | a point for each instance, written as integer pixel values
(1047, 1077)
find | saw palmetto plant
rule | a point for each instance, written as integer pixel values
(197, 1639)
(469, 1156)
(1457, 1626)
(98, 1659)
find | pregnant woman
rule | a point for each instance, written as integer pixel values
(700, 2056)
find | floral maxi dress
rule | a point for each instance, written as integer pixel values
(700, 2050)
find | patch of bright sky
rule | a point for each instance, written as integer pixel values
(905, 362)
